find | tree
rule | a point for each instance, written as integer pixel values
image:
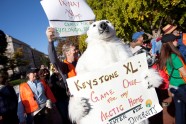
(82, 43)
(59, 48)
(3, 46)
(17, 59)
(3, 42)
(129, 16)
(45, 61)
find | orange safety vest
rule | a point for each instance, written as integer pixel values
(184, 38)
(184, 78)
(27, 96)
(71, 68)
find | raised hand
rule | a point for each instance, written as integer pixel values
(50, 33)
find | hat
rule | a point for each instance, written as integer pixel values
(136, 35)
(169, 29)
(31, 70)
(168, 38)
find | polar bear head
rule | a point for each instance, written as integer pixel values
(102, 30)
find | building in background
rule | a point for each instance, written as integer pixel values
(33, 57)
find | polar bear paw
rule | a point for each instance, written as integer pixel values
(78, 107)
(153, 79)
(144, 122)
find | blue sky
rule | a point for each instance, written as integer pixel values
(26, 21)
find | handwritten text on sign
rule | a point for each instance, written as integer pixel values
(65, 29)
(117, 94)
(76, 13)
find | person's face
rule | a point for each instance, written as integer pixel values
(32, 76)
(176, 32)
(42, 66)
(175, 42)
(140, 40)
(71, 53)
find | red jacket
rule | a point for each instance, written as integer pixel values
(165, 76)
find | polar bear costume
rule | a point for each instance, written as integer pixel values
(104, 49)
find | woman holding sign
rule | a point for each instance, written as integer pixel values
(172, 60)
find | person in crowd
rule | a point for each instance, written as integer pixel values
(137, 47)
(36, 101)
(59, 90)
(158, 45)
(162, 92)
(65, 68)
(171, 59)
(156, 42)
(44, 74)
(8, 101)
(182, 44)
(69, 50)
(164, 97)
(154, 47)
(181, 41)
(46, 71)
(42, 67)
(169, 29)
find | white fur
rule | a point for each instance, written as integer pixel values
(153, 78)
(144, 122)
(76, 109)
(103, 50)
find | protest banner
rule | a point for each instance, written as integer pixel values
(69, 17)
(118, 94)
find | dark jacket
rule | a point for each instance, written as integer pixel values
(57, 86)
(8, 105)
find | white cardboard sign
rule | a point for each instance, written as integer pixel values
(117, 94)
(69, 17)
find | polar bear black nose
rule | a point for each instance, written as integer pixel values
(103, 25)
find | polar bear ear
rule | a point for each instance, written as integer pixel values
(107, 21)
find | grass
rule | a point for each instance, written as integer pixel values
(17, 81)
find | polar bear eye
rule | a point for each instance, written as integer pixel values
(107, 21)
(94, 25)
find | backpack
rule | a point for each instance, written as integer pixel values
(181, 76)
(184, 78)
